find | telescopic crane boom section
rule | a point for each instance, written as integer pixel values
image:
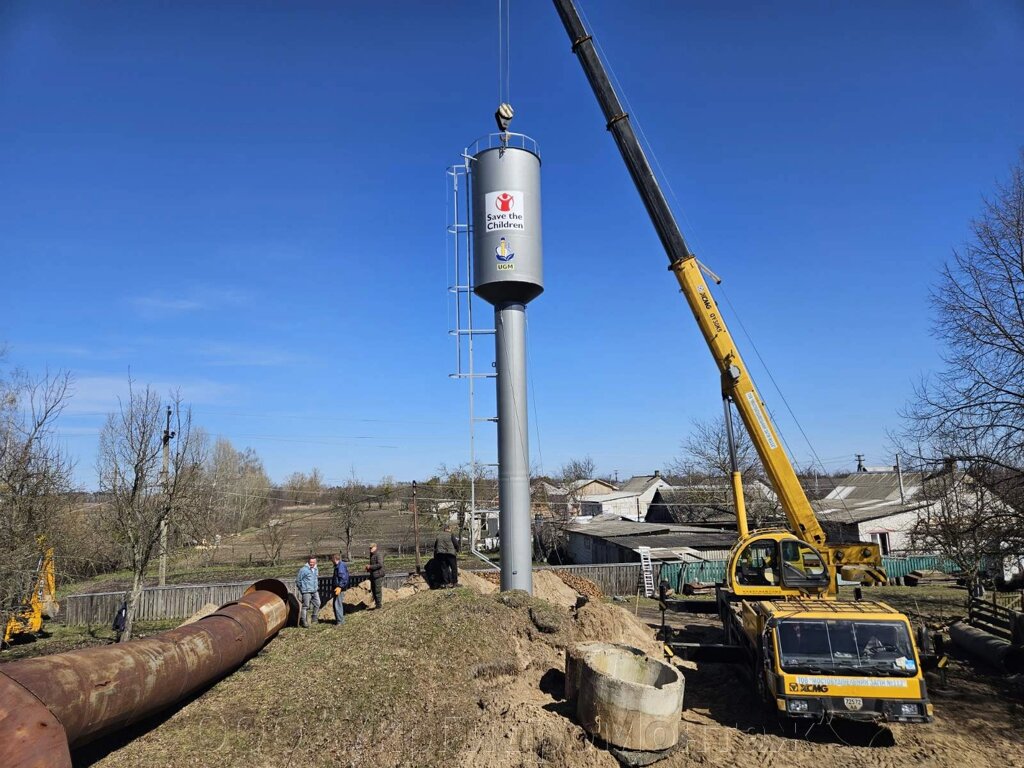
(737, 385)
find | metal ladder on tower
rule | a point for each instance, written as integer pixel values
(646, 580)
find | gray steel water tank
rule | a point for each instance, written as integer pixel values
(507, 253)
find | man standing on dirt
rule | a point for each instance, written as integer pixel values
(446, 550)
(340, 584)
(308, 582)
(376, 571)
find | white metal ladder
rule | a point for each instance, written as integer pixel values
(646, 572)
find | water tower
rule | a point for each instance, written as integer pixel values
(504, 183)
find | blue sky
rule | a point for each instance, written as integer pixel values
(246, 200)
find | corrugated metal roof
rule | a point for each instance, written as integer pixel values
(640, 483)
(697, 539)
(618, 527)
(603, 527)
(845, 511)
(877, 486)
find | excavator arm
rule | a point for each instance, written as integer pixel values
(737, 385)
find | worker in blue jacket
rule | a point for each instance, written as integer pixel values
(340, 584)
(307, 583)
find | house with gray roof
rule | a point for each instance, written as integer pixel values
(632, 500)
(609, 540)
(882, 507)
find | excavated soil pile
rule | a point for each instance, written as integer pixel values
(580, 584)
(202, 613)
(479, 585)
(547, 586)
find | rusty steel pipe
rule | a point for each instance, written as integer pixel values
(52, 704)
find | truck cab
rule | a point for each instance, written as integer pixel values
(853, 660)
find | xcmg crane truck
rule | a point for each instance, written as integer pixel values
(810, 654)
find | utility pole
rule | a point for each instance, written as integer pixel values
(899, 475)
(165, 480)
(860, 463)
(416, 525)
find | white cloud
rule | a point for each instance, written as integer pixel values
(228, 354)
(98, 395)
(194, 299)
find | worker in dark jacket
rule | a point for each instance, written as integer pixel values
(376, 571)
(446, 549)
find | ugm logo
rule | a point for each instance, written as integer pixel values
(503, 252)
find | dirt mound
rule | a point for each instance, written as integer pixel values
(612, 624)
(477, 584)
(547, 586)
(203, 612)
(416, 583)
(580, 584)
(357, 596)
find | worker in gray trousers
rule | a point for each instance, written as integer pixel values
(308, 584)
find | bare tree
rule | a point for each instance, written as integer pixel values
(305, 489)
(385, 491)
(973, 409)
(141, 496)
(237, 489)
(967, 522)
(455, 490)
(35, 478)
(705, 452)
(272, 538)
(705, 466)
(348, 512)
(571, 477)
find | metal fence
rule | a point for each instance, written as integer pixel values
(179, 602)
(713, 571)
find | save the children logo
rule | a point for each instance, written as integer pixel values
(504, 209)
(504, 202)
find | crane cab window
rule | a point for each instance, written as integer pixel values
(757, 564)
(802, 566)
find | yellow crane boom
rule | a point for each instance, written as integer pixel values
(859, 560)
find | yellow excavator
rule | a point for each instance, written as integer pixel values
(810, 654)
(40, 604)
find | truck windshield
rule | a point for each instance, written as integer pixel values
(846, 647)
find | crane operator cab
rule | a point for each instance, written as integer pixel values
(772, 564)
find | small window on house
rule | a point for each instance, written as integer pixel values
(882, 540)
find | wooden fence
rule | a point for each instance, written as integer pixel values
(613, 578)
(176, 602)
(999, 614)
(179, 602)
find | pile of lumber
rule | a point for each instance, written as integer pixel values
(922, 577)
